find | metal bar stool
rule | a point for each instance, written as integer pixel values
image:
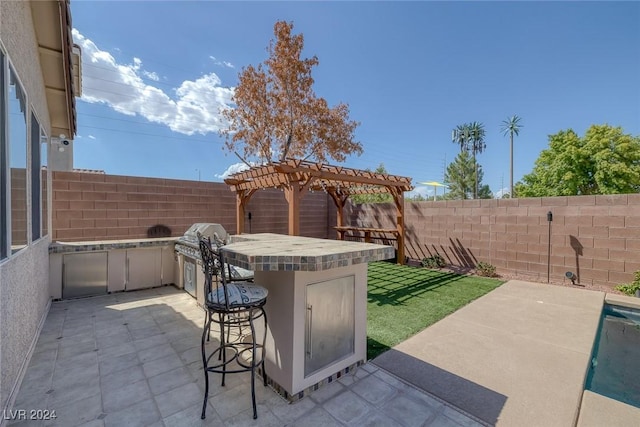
(231, 304)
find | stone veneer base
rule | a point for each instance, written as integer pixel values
(291, 398)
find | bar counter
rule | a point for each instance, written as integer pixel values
(316, 308)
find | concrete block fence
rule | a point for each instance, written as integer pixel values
(595, 237)
(96, 206)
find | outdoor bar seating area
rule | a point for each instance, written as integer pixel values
(124, 300)
(313, 292)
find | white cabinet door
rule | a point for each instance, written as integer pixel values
(144, 268)
(169, 266)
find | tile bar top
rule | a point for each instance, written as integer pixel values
(104, 245)
(272, 252)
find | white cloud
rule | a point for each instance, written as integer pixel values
(152, 75)
(426, 192)
(221, 63)
(234, 168)
(194, 108)
(500, 193)
(91, 137)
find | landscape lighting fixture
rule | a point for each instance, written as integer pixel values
(569, 275)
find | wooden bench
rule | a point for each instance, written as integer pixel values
(368, 232)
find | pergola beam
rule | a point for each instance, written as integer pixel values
(296, 177)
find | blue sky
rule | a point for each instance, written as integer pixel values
(156, 73)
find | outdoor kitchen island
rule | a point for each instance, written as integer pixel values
(316, 308)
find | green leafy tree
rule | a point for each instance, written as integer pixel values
(373, 198)
(511, 127)
(460, 178)
(484, 192)
(604, 161)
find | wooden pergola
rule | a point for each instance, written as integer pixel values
(296, 177)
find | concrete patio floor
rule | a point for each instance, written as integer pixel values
(133, 359)
(518, 356)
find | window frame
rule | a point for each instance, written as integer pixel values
(12, 73)
(35, 139)
(5, 211)
(35, 173)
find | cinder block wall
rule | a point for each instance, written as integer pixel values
(595, 237)
(94, 206)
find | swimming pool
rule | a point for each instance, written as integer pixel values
(615, 363)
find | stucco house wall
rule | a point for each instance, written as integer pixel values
(24, 291)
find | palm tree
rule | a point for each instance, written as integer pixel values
(461, 135)
(512, 127)
(476, 145)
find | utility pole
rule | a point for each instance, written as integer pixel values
(444, 167)
(444, 173)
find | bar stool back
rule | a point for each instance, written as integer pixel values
(231, 305)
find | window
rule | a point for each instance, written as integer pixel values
(43, 190)
(36, 185)
(21, 195)
(4, 240)
(17, 161)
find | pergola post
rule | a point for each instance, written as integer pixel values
(340, 201)
(242, 198)
(292, 194)
(239, 214)
(398, 198)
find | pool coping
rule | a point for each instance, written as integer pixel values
(597, 410)
(622, 300)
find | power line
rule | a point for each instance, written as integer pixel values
(138, 122)
(151, 134)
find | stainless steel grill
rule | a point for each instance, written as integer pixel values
(187, 252)
(188, 243)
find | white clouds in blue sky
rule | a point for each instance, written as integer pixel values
(221, 63)
(410, 72)
(234, 168)
(194, 107)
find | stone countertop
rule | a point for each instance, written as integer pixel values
(104, 245)
(273, 252)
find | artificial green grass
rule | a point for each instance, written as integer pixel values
(404, 300)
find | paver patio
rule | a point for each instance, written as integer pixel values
(134, 359)
(516, 356)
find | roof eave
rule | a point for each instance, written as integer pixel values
(52, 23)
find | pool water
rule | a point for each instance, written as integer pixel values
(615, 363)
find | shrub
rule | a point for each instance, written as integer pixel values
(485, 269)
(630, 288)
(434, 261)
